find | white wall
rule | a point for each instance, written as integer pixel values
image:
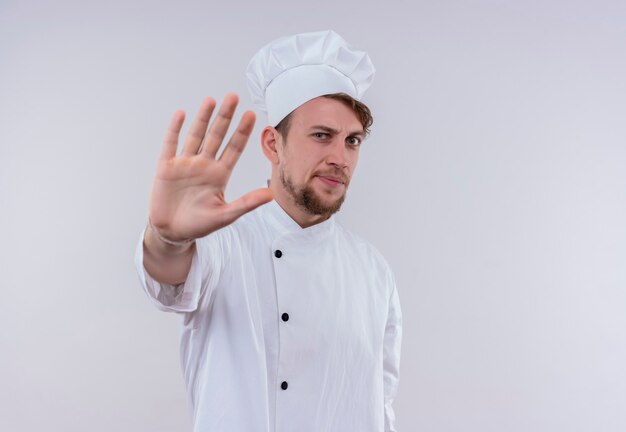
(494, 183)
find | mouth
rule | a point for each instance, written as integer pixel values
(331, 181)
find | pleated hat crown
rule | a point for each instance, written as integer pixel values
(292, 70)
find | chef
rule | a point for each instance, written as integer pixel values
(291, 323)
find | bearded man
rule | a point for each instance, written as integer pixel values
(290, 322)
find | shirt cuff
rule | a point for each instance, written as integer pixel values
(171, 298)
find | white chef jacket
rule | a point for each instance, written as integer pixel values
(286, 329)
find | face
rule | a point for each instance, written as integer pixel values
(319, 155)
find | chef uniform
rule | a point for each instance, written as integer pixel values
(288, 329)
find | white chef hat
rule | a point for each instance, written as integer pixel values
(292, 70)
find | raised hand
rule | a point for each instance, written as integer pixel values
(187, 198)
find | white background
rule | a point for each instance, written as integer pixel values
(494, 182)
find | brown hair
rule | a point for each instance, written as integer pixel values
(361, 110)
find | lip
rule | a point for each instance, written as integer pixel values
(330, 180)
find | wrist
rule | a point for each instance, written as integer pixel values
(167, 242)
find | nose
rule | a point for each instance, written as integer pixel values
(337, 155)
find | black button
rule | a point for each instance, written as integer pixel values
(284, 385)
(285, 317)
(278, 253)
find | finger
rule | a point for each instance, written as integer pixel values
(170, 142)
(198, 128)
(238, 141)
(219, 127)
(247, 203)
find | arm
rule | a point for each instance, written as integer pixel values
(168, 264)
(391, 358)
(187, 198)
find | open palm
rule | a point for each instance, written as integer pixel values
(187, 198)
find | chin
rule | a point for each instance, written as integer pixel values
(318, 205)
(313, 198)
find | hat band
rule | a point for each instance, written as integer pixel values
(299, 85)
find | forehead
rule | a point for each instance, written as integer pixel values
(326, 112)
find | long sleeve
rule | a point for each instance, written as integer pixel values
(391, 358)
(185, 297)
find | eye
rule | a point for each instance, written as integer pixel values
(320, 135)
(354, 141)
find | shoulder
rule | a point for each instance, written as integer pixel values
(362, 249)
(367, 261)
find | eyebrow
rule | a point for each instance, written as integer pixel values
(335, 131)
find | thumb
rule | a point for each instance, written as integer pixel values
(247, 203)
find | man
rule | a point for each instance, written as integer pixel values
(291, 323)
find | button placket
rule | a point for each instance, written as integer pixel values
(284, 281)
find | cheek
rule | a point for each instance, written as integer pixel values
(302, 167)
(352, 161)
(292, 169)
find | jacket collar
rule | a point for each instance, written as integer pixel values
(283, 224)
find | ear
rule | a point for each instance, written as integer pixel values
(270, 139)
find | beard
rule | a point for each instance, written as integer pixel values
(307, 199)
